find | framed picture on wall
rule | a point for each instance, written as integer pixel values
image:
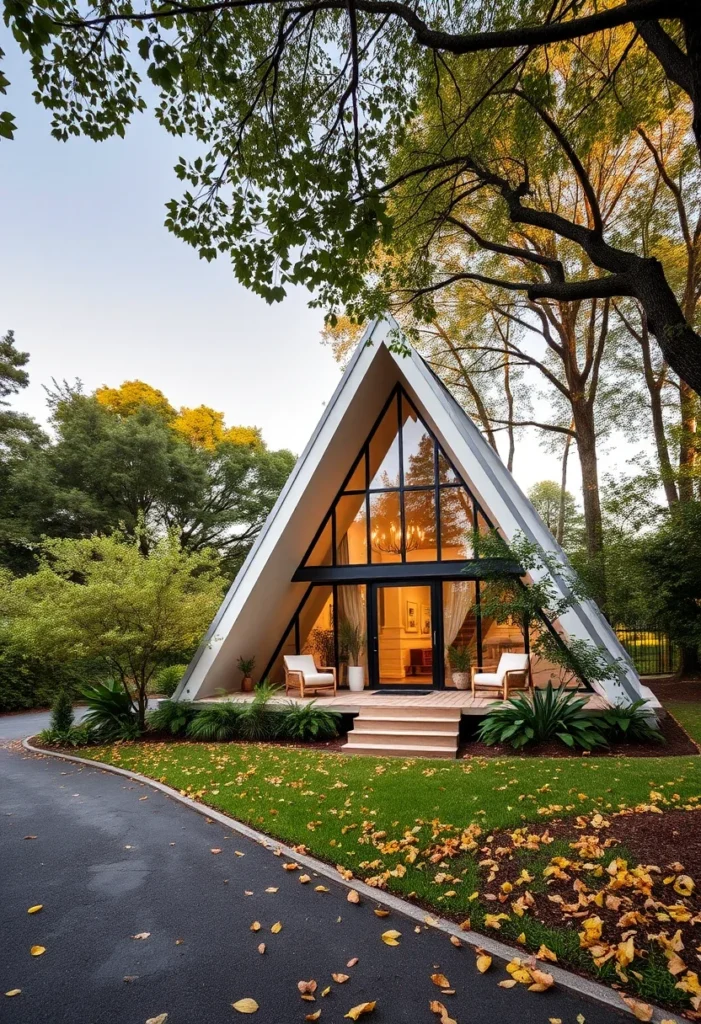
(425, 618)
(411, 622)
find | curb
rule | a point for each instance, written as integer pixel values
(591, 990)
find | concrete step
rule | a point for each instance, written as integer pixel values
(385, 712)
(398, 739)
(407, 750)
(383, 725)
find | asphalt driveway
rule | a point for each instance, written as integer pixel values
(110, 860)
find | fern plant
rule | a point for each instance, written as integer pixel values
(550, 713)
(215, 722)
(171, 716)
(309, 722)
(111, 713)
(630, 722)
(257, 720)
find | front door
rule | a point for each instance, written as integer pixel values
(404, 630)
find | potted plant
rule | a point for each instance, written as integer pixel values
(352, 640)
(245, 667)
(460, 659)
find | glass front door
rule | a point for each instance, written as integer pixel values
(404, 635)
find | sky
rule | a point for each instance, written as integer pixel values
(96, 288)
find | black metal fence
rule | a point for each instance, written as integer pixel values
(652, 651)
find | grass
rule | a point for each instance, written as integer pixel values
(688, 715)
(356, 812)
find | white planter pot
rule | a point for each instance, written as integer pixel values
(356, 678)
(461, 680)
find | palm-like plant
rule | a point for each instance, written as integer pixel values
(171, 716)
(631, 722)
(550, 713)
(309, 722)
(111, 712)
(257, 721)
(215, 722)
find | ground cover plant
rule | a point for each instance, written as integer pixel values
(421, 828)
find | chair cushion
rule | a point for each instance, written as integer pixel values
(512, 663)
(318, 679)
(487, 679)
(300, 663)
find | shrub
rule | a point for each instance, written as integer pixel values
(460, 658)
(547, 714)
(28, 682)
(62, 713)
(76, 736)
(309, 722)
(111, 713)
(256, 720)
(166, 681)
(630, 722)
(215, 722)
(171, 716)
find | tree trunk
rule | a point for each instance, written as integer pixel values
(692, 39)
(690, 665)
(510, 410)
(654, 387)
(680, 344)
(688, 405)
(583, 416)
(563, 487)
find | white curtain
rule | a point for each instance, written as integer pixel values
(351, 597)
(457, 601)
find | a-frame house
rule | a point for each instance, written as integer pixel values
(379, 525)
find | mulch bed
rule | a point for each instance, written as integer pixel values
(668, 688)
(677, 744)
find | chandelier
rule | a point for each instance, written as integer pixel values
(391, 543)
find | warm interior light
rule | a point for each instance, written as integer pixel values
(390, 543)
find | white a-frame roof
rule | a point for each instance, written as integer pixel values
(263, 599)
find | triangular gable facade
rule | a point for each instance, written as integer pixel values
(378, 529)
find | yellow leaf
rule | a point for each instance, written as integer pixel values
(684, 885)
(440, 980)
(37, 950)
(340, 978)
(494, 920)
(261, 948)
(36, 909)
(438, 1008)
(546, 954)
(325, 991)
(255, 927)
(160, 1019)
(360, 1010)
(321, 888)
(640, 1010)
(344, 872)
(277, 927)
(456, 941)
(307, 988)
(353, 896)
(431, 921)
(353, 962)
(245, 1005)
(304, 879)
(483, 963)
(508, 984)
(13, 992)
(522, 938)
(390, 937)
(554, 1020)
(313, 1016)
(141, 935)
(291, 866)
(215, 850)
(272, 888)
(379, 912)
(465, 925)
(542, 980)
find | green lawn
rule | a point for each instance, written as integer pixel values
(356, 812)
(688, 715)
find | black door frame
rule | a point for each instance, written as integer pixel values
(373, 590)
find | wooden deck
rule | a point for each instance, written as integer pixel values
(351, 703)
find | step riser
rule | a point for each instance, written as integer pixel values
(437, 714)
(404, 725)
(403, 739)
(376, 751)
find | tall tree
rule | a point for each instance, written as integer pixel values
(301, 108)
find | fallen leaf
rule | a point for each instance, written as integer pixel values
(431, 921)
(141, 935)
(255, 927)
(483, 963)
(245, 1005)
(353, 896)
(313, 1016)
(248, 892)
(160, 1019)
(643, 1011)
(179, 942)
(291, 866)
(390, 937)
(36, 909)
(580, 1018)
(353, 962)
(456, 941)
(542, 981)
(440, 980)
(509, 983)
(13, 992)
(307, 988)
(321, 888)
(340, 978)
(239, 854)
(277, 927)
(360, 1009)
(465, 925)
(261, 948)
(554, 1020)
(436, 1007)
(215, 850)
(546, 954)
(130, 977)
(37, 950)
(379, 912)
(272, 888)
(304, 879)
(325, 991)
(30, 837)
